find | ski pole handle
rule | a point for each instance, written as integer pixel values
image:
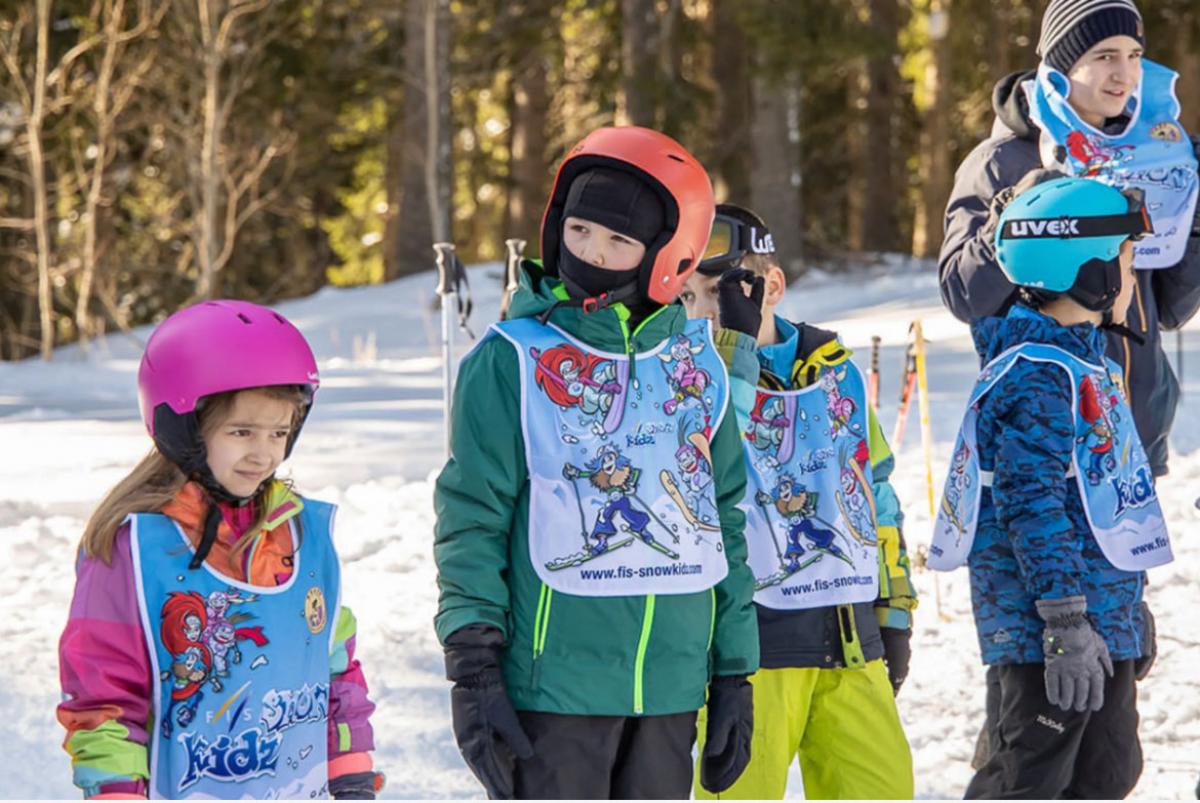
(445, 267)
(516, 250)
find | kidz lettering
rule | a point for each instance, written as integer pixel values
(245, 756)
(1133, 494)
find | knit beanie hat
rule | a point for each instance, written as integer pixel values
(1071, 28)
(619, 200)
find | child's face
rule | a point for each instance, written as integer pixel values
(1128, 280)
(249, 443)
(1104, 78)
(600, 246)
(699, 297)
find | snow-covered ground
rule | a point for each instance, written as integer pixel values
(69, 430)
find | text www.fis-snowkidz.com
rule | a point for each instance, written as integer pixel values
(626, 573)
(826, 585)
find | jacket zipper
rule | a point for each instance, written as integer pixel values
(639, 664)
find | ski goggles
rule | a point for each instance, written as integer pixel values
(730, 241)
(1134, 224)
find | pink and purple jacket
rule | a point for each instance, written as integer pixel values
(105, 669)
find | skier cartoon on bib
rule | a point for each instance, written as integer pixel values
(769, 424)
(840, 408)
(685, 379)
(857, 509)
(956, 486)
(798, 507)
(183, 622)
(571, 378)
(1096, 409)
(611, 473)
(1098, 157)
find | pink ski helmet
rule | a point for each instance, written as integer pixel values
(214, 347)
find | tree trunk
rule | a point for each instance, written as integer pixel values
(528, 178)
(37, 171)
(1187, 64)
(639, 62)
(875, 163)
(425, 168)
(936, 170)
(730, 164)
(206, 247)
(776, 178)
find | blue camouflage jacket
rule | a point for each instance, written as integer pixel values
(1033, 539)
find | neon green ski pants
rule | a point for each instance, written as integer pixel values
(843, 725)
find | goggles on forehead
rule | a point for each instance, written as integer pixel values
(730, 241)
(1134, 224)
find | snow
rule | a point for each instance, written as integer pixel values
(69, 430)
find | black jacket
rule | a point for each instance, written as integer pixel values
(974, 287)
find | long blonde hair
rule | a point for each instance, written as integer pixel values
(156, 481)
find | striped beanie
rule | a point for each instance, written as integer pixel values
(1071, 28)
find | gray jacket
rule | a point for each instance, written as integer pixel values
(973, 286)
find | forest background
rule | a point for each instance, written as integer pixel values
(158, 152)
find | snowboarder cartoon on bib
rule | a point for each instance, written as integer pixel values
(957, 484)
(1097, 409)
(611, 473)
(571, 378)
(695, 479)
(685, 379)
(856, 506)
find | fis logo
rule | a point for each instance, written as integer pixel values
(1059, 227)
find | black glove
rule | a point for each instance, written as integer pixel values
(1141, 666)
(897, 652)
(356, 786)
(486, 727)
(730, 727)
(739, 312)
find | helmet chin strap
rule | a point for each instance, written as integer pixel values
(212, 519)
(1108, 325)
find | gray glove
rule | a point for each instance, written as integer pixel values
(1076, 657)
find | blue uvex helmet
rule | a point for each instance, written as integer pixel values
(1065, 236)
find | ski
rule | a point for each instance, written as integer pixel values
(908, 384)
(580, 558)
(672, 489)
(663, 548)
(783, 574)
(873, 377)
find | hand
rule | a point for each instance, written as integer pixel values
(897, 651)
(1076, 657)
(1142, 666)
(570, 472)
(761, 498)
(356, 786)
(740, 312)
(486, 727)
(730, 728)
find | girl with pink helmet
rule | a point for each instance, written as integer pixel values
(164, 694)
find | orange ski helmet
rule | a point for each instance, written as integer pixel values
(682, 185)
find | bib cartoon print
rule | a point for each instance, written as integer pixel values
(1153, 154)
(241, 703)
(620, 468)
(1109, 467)
(810, 511)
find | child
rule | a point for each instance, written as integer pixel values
(585, 607)
(833, 594)
(207, 653)
(1051, 501)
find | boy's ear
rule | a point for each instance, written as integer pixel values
(776, 286)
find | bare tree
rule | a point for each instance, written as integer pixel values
(217, 48)
(775, 180)
(935, 169)
(639, 62)
(114, 85)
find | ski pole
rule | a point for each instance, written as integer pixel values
(774, 535)
(923, 399)
(447, 291)
(582, 519)
(515, 249)
(907, 385)
(873, 378)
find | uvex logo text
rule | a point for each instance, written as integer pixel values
(1062, 227)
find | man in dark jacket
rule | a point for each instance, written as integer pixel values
(973, 286)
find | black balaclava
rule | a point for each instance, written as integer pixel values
(622, 202)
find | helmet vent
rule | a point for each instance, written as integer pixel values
(278, 317)
(676, 158)
(244, 318)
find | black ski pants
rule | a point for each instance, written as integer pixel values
(1040, 751)
(607, 758)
